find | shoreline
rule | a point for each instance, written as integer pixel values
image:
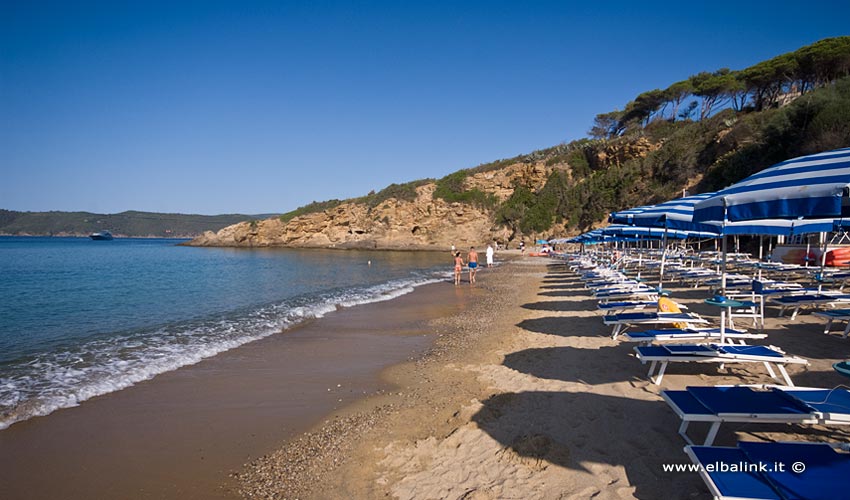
(335, 459)
(182, 433)
(525, 395)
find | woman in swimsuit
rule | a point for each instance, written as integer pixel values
(458, 267)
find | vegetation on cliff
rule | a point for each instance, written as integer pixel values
(699, 134)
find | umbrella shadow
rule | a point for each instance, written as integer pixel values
(603, 365)
(582, 326)
(581, 431)
(562, 287)
(562, 293)
(561, 305)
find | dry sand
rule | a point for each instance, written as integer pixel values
(526, 396)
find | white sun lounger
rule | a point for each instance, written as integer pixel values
(760, 404)
(835, 315)
(829, 299)
(825, 474)
(633, 305)
(662, 355)
(690, 334)
(622, 321)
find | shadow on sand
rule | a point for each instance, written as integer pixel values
(562, 305)
(583, 326)
(603, 365)
(581, 431)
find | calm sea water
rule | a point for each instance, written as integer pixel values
(80, 318)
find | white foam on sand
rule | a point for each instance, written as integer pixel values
(66, 377)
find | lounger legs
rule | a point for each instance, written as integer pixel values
(785, 375)
(829, 325)
(709, 438)
(661, 370)
(712, 434)
(617, 330)
(683, 431)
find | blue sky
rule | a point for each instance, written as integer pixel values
(260, 107)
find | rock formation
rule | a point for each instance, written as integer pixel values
(427, 222)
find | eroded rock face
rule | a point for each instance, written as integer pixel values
(501, 182)
(618, 153)
(426, 223)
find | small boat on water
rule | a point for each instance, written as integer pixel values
(101, 235)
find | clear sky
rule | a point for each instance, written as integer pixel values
(260, 107)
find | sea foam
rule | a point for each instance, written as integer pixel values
(65, 377)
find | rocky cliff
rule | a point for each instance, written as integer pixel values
(425, 221)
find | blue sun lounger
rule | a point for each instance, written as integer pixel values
(622, 321)
(835, 315)
(771, 471)
(759, 404)
(634, 305)
(662, 355)
(810, 299)
(690, 334)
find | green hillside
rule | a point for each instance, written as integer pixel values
(699, 134)
(131, 223)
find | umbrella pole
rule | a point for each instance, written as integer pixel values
(723, 267)
(823, 260)
(663, 255)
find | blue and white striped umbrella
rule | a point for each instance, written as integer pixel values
(653, 232)
(809, 186)
(676, 214)
(627, 216)
(773, 227)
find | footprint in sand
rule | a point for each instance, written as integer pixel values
(589, 492)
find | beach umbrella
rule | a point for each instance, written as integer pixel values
(674, 214)
(626, 216)
(677, 214)
(814, 186)
(809, 187)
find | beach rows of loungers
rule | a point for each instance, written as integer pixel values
(666, 332)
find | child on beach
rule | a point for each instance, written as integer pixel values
(473, 264)
(458, 267)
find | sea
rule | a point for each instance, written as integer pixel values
(81, 318)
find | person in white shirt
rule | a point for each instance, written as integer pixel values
(489, 255)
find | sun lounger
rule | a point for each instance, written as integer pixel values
(644, 293)
(835, 315)
(624, 320)
(763, 404)
(659, 356)
(733, 281)
(770, 471)
(811, 299)
(634, 305)
(690, 334)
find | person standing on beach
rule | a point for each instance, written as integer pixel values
(458, 267)
(522, 247)
(490, 252)
(472, 258)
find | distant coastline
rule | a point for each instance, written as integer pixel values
(129, 224)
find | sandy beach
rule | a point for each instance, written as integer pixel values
(526, 396)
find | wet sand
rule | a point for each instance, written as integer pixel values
(183, 434)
